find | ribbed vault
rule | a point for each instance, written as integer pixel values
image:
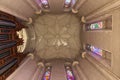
(57, 36)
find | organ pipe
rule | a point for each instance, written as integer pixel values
(27, 62)
(9, 44)
(9, 57)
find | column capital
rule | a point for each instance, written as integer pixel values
(31, 55)
(75, 63)
(40, 64)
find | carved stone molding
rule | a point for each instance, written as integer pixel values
(107, 8)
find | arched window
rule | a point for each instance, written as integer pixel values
(45, 4)
(47, 73)
(105, 24)
(69, 73)
(101, 55)
(94, 49)
(67, 3)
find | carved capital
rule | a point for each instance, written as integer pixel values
(75, 63)
(31, 55)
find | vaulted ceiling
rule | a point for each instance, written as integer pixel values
(26, 9)
(51, 35)
(57, 36)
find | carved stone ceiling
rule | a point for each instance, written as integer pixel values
(57, 36)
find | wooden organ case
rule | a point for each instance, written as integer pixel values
(9, 40)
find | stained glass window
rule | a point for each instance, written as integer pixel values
(95, 26)
(67, 3)
(100, 25)
(45, 3)
(47, 73)
(104, 56)
(94, 50)
(69, 73)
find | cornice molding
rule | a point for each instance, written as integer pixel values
(34, 6)
(107, 8)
